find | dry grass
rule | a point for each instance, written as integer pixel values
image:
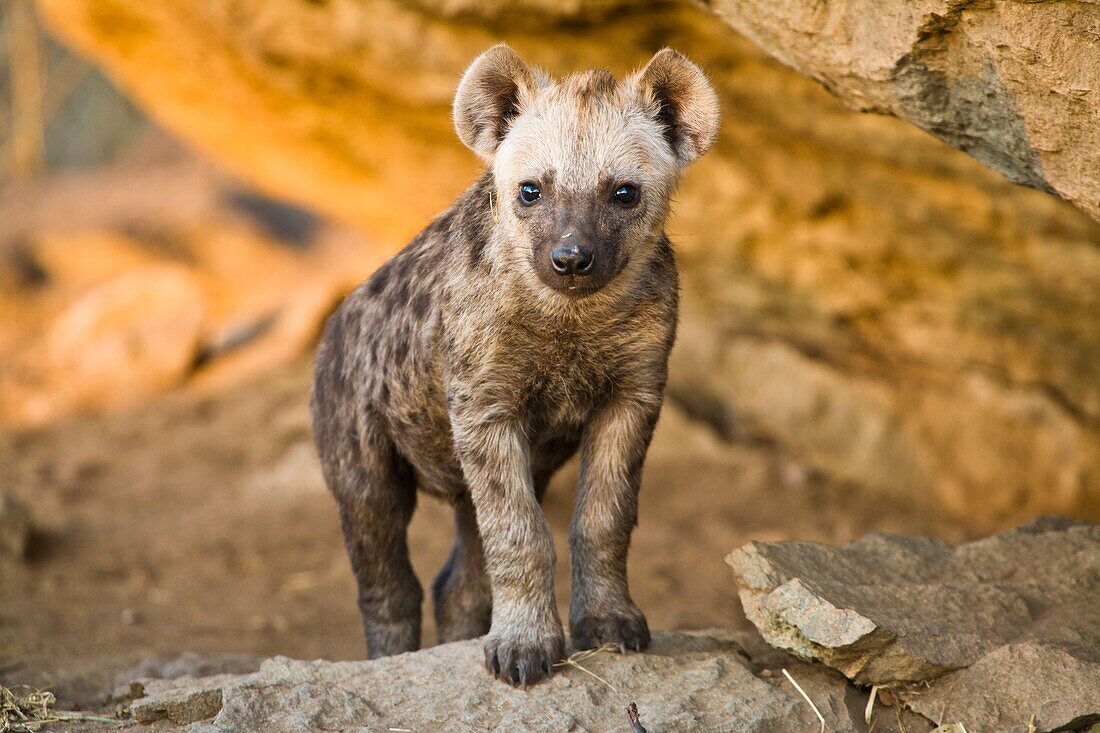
(574, 660)
(27, 710)
(806, 697)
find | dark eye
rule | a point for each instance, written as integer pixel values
(626, 195)
(529, 193)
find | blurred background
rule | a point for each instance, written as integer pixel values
(879, 333)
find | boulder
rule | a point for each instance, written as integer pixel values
(126, 338)
(1045, 684)
(993, 634)
(159, 275)
(1015, 84)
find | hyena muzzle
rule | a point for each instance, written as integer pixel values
(531, 319)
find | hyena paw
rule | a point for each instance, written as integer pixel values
(522, 662)
(625, 629)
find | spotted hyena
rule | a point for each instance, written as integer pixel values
(532, 318)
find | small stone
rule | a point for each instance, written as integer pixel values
(186, 706)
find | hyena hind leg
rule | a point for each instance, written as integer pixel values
(377, 497)
(461, 593)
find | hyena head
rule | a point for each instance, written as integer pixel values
(584, 167)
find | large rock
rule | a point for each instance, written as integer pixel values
(126, 338)
(162, 272)
(888, 309)
(686, 682)
(1031, 682)
(995, 632)
(1015, 84)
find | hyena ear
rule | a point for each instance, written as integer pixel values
(683, 101)
(489, 97)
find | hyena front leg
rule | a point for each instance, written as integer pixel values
(525, 638)
(376, 493)
(612, 451)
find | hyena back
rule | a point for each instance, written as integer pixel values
(532, 319)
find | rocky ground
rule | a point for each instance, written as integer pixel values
(201, 524)
(193, 536)
(892, 633)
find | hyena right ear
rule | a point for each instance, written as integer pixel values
(682, 100)
(489, 97)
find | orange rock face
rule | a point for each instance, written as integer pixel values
(883, 306)
(126, 297)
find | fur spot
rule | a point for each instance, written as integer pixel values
(400, 351)
(399, 296)
(378, 280)
(590, 87)
(420, 304)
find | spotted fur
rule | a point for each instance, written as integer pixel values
(468, 369)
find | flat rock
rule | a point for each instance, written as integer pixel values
(998, 631)
(686, 682)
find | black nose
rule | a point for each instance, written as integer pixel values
(576, 259)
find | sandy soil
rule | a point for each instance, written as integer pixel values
(202, 524)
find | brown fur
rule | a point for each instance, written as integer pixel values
(467, 369)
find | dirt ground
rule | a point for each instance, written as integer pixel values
(202, 524)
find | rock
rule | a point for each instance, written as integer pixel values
(1045, 683)
(261, 277)
(131, 336)
(192, 664)
(183, 706)
(1013, 84)
(295, 474)
(697, 681)
(187, 704)
(15, 526)
(996, 630)
(280, 337)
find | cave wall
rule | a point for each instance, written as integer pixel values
(890, 309)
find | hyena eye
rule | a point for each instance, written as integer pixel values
(626, 195)
(529, 193)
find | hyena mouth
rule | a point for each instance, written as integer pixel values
(575, 284)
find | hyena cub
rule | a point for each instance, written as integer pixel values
(532, 318)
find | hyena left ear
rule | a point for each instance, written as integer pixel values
(489, 98)
(683, 101)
